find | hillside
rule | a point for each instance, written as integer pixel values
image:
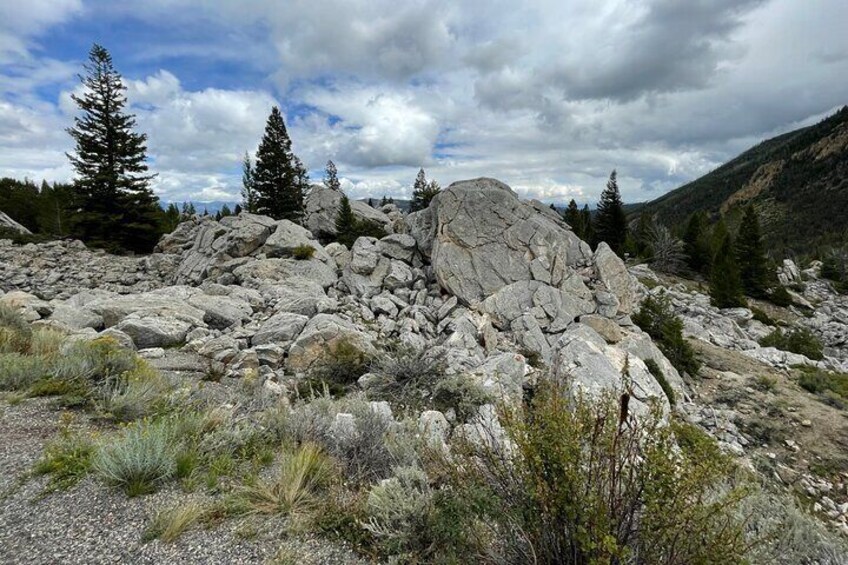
(798, 181)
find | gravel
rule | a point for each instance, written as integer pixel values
(92, 524)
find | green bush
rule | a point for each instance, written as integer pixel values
(140, 459)
(779, 296)
(15, 332)
(460, 394)
(818, 381)
(574, 484)
(658, 374)
(19, 372)
(406, 376)
(303, 252)
(399, 511)
(67, 459)
(341, 366)
(798, 340)
(656, 318)
(762, 317)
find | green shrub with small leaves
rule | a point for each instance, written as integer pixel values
(575, 484)
(798, 340)
(303, 252)
(658, 374)
(656, 317)
(341, 365)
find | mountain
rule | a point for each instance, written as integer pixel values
(212, 207)
(797, 181)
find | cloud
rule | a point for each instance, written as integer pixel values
(548, 96)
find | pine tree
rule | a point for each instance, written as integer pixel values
(172, 217)
(423, 192)
(331, 177)
(750, 252)
(696, 243)
(346, 227)
(574, 219)
(248, 186)
(370, 203)
(725, 281)
(117, 207)
(586, 226)
(188, 210)
(384, 201)
(279, 177)
(237, 210)
(610, 220)
(225, 211)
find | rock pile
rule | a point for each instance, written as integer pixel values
(482, 279)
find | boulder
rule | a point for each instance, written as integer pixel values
(320, 335)
(554, 308)
(592, 368)
(613, 274)
(322, 207)
(171, 301)
(289, 236)
(282, 270)
(605, 327)
(299, 296)
(76, 318)
(281, 328)
(486, 238)
(503, 374)
(397, 246)
(9, 223)
(221, 312)
(218, 242)
(153, 330)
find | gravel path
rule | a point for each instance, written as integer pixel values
(91, 524)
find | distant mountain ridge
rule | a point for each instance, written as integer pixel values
(797, 181)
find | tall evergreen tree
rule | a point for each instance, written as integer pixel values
(750, 252)
(172, 217)
(384, 201)
(423, 192)
(725, 281)
(225, 211)
(248, 185)
(279, 177)
(696, 243)
(331, 177)
(346, 227)
(588, 230)
(116, 206)
(418, 192)
(610, 221)
(574, 219)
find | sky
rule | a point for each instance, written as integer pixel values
(548, 96)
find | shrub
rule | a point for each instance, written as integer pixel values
(656, 317)
(460, 394)
(578, 483)
(363, 441)
(406, 375)
(294, 492)
(135, 395)
(303, 252)
(762, 317)
(398, 511)
(818, 381)
(341, 366)
(140, 459)
(798, 340)
(765, 383)
(15, 332)
(779, 296)
(783, 534)
(67, 459)
(658, 374)
(19, 372)
(170, 523)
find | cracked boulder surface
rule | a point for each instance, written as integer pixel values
(485, 238)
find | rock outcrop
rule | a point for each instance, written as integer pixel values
(9, 223)
(322, 207)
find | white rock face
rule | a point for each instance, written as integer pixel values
(321, 334)
(7, 222)
(322, 207)
(486, 238)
